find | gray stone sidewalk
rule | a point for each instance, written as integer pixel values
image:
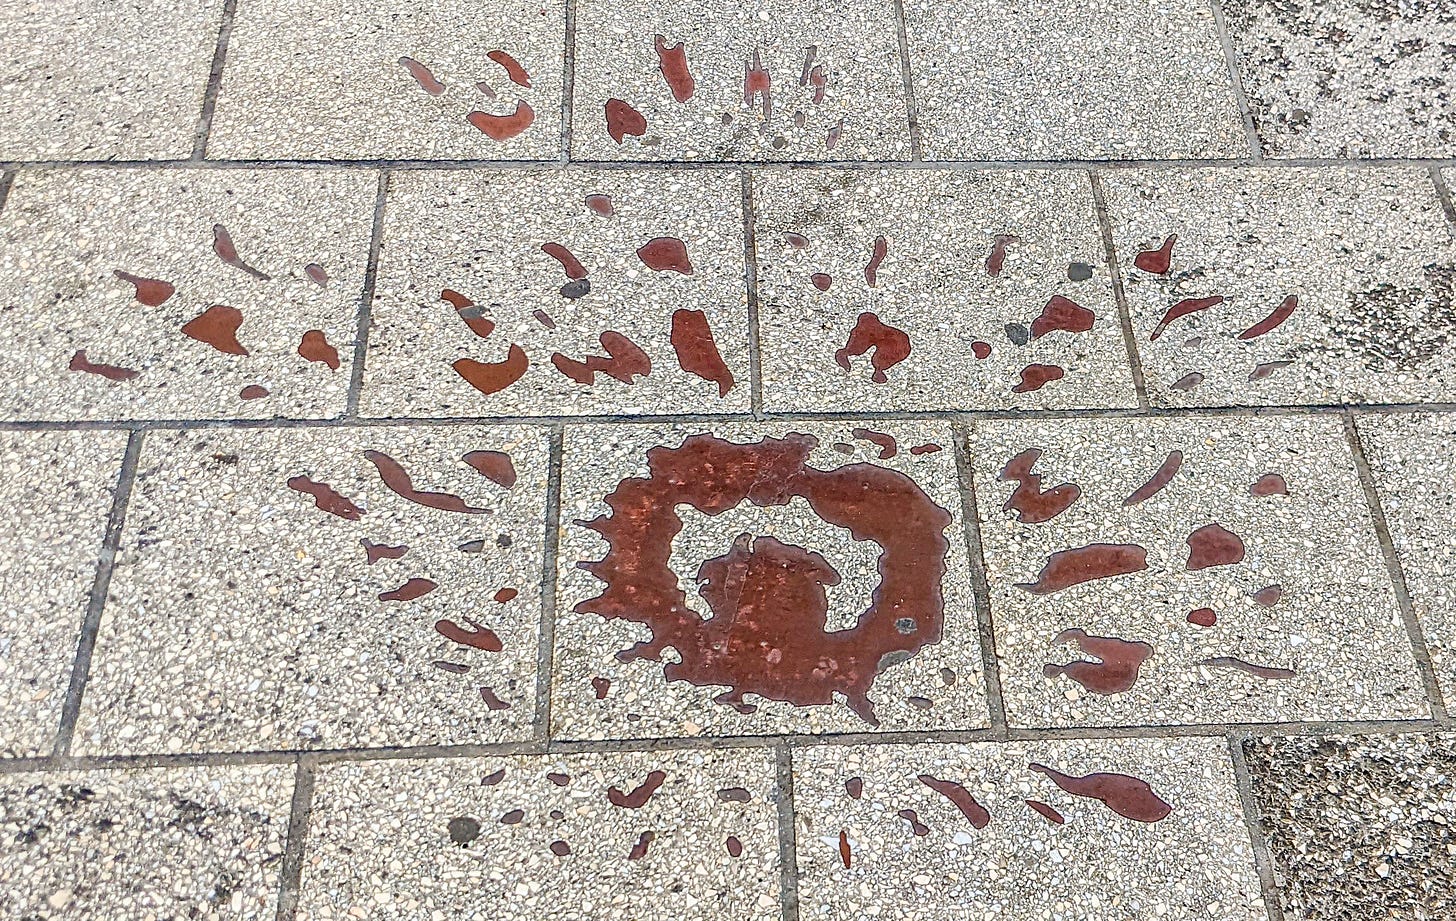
(880, 459)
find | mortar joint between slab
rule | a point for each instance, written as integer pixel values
(1231, 58)
(1419, 650)
(1119, 292)
(568, 82)
(366, 300)
(1443, 192)
(788, 844)
(214, 81)
(299, 812)
(980, 584)
(546, 650)
(96, 602)
(912, 114)
(7, 179)
(750, 281)
(1258, 842)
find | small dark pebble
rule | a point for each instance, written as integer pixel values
(463, 830)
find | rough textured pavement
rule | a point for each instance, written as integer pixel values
(728, 461)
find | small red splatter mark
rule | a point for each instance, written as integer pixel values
(601, 686)
(624, 362)
(734, 846)
(326, 498)
(821, 281)
(845, 856)
(1063, 314)
(1067, 568)
(623, 120)
(601, 205)
(409, 591)
(398, 482)
(514, 817)
(1203, 617)
(150, 291)
(1213, 545)
(1182, 309)
(1267, 369)
(1269, 323)
(488, 377)
(877, 258)
(961, 798)
(831, 140)
(491, 779)
(485, 90)
(1270, 484)
(1032, 506)
(672, 61)
(1157, 261)
(495, 466)
(559, 779)
(925, 449)
(503, 127)
(796, 240)
(560, 848)
(253, 392)
(888, 446)
(735, 795)
(697, 352)
(218, 327)
(981, 349)
(1046, 812)
(638, 797)
(422, 76)
(506, 595)
(315, 347)
(1118, 670)
(891, 346)
(544, 318)
(996, 261)
(854, 786)
(1034, 377)
(1161, 477)
(468, 311)
(79, 362)
(222, 245)
(478, 637)
(639, 850)
(757, 81)
(454, 668)
(514, 70)
(317, 274)
(574, 268)
(820, 82)
(663, 254)
(1267, 672)
(918, 828)
(1269, 595)
(1188, 381)
(373, 552)
(1129, 797)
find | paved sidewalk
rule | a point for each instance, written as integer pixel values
(722, 461)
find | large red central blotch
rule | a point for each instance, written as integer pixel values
(766, 634)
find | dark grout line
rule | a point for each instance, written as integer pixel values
(788, 846)
(1231, 58)
(96, 603)
(980, 585)
(536, 748)
(946, 415)
(1419, 650)
(301, 808)
(665, 165)
(912, 112)
(1443, 192)
(1119, 293)
(214, 81)
(750, 279)
(568, 82)
(7, 179)
(1258, 842)
(546, 648)
(366, 300)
